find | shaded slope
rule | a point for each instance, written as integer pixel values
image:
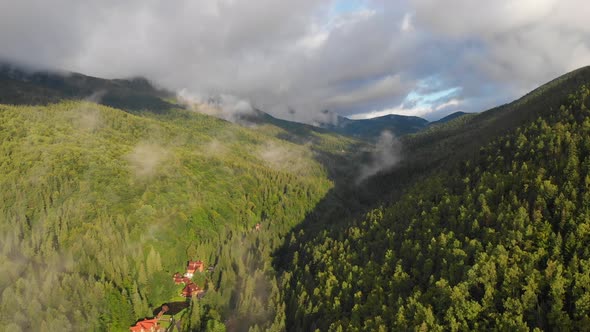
(333, 244)
(21, 87)
(495, 244)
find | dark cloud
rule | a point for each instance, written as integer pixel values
(305, 55)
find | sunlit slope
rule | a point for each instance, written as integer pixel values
(99, 206)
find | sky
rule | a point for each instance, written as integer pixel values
(294, 59)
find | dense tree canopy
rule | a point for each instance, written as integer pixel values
(497, 243)
(483, 225)
(100, 208)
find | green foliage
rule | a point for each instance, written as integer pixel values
(497, 243)
(481, 226)
(100, 208)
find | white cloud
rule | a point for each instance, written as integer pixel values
(452, 102)
(407, 23)
(304, 55)
(430, 112)
(374, 91)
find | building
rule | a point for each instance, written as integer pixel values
(191, 289)
(146, 325)
(192, 267)
(180, 279)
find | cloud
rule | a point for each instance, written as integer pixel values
(371, 92)
(223, 106)
(284, 157)
(387, 153)
(309, 55)
(508, 47)
(146, 159)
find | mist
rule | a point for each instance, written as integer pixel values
(146, 158)
(226, 107)
(281, 157)
(386, 154)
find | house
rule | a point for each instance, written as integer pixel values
(191, 289)
(193, 266)
(146, 325)
(180, 279)
(177, 277)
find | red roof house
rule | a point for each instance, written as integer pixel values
(193, 266)
(180, 279)
(146, 325)
(191, 289)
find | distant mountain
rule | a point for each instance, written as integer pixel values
(370, 129)
(449, 117)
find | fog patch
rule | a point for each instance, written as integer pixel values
(283, 158)
(87, 118)
(223, 106)
(387, 153)
(215, 148)
(146, 159)
(87, 115)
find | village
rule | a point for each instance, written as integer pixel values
(165, 320)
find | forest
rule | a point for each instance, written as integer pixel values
(482, 224)
(497, 243)
(101, 207)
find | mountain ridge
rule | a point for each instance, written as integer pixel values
(20, 86)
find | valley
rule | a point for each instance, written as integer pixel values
(479, 222)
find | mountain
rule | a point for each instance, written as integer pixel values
(22, 86)
(102, 205)
(449, 117)
(476, 223)
(370, 129)
(480, 227)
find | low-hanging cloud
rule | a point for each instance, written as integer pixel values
(309, 55)
(223, 106)
(87, 116)
(146, 159)
(386, 154)
(292, 159)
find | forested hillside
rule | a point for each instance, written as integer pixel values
(100, 207)
(477, 223)
(495, 241)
